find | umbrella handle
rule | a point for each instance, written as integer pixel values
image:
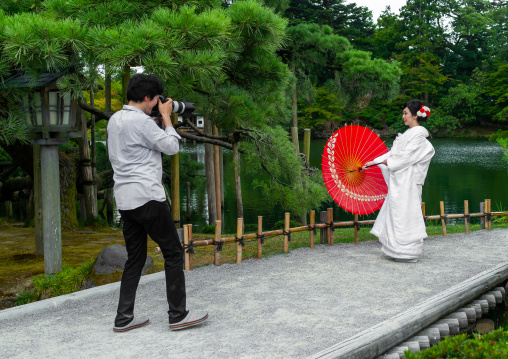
(360, 168)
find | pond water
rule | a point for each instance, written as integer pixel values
(462, 169)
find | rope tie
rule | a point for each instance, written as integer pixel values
(331, 226)
(358, 226)
(219, 245)
(287, 233)
(488, 216)
(312, 228)
(189, 248)
(240, 240)
(426, 221)
(445, 217)
(262, 238)
(467, 217)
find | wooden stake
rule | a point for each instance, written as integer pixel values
(466, 214)
(286, 228)
(186, 256)
(356, 228)
(482, 219)
(189, 228)
(239, 233)
(323, 232)
(260, 232)
(488, 219)
(329, 217)
(216, 255)
(216, 162)
(312, 224)
(443, 222)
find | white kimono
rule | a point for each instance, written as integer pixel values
(399, 225)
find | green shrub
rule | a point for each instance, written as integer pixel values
(67, 281)
(492, 345)
(208, 229)
(251, 228)
(280, 224)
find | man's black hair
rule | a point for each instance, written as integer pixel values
(414, 106)
(141, 85)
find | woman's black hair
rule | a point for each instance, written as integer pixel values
(414, 106)
(141, 85)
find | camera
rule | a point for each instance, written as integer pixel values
(180, 107)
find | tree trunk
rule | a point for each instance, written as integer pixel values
(68, 193)
(210, 176)
(93, 153)
(126, 76)
(238, 185)
(175, 181)
(216, 169)
(89, 197)
(107, 91)
(294, 111)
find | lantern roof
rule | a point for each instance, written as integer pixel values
(22, 79)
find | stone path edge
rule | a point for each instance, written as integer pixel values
(376, 340)
(51, 303)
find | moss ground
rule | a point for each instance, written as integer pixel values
(18, 262)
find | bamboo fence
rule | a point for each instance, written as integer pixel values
(240, 238)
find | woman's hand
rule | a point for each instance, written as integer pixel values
(368, 164)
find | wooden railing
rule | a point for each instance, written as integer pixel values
(328, 226)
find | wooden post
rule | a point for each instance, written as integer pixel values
(239, 233)
(216, 170)
(8, 209)
(294, 137)
(329, 220)
(443, 222)
(175, 181)
(466, 214)
(286, 229)
(216, 257)
(423, 213)
(312, 224)
(186, 256)
(210, 176)
(51, 217)
(187, 186)
(482, 219)
(189, 229)
(488, 218)
(356, 228)
(260, 232)
(323, 232)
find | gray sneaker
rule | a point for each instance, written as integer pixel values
(190, 320)
(136, 323)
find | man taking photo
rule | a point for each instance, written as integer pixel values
(135, 144)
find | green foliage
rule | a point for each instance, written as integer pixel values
(13, 129)
(491, 345)
(67, 281)
(326, 108)
(280, 224)
(210, 229)
(503, 142)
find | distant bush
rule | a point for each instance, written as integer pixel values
(251, 228)
(280, 224)
(208, 229)
(492, 345)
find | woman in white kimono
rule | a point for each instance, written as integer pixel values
(399, 225)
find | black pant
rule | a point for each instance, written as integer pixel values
(153, 218)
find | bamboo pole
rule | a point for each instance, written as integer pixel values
(312, 224)
(466, 213)
(239, 233)
(216, 255)
(356, 229)
(216, 162)
(189, 228)
(443, 222)
(329, 217)
(260, 232)
(286, 229)
(186, 243)
(488, 219)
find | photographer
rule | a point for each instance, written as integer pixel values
(135, 144)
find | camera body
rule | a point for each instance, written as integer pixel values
(183, 108)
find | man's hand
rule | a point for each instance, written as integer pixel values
(165, 110)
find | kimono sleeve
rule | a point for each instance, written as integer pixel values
(405, 157)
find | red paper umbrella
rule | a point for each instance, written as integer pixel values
(360, 192)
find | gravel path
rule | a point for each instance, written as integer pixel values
(285, 306)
